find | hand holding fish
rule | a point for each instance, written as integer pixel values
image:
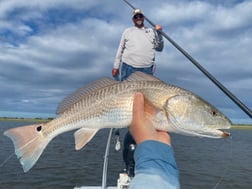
(153, 155)
(142, 128)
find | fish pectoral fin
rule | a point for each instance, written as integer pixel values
(83, 136)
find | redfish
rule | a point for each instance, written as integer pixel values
(106, 103)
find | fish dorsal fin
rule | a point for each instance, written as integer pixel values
(140, 76)
(84, 90)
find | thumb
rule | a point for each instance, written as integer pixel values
(138, 107)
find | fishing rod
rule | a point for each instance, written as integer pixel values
(201, 68)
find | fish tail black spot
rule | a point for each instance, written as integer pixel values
(39, 128)
(214, 113)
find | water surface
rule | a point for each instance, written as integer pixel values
(202, 162)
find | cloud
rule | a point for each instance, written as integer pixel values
(50, 48)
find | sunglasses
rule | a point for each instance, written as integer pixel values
(138, 16)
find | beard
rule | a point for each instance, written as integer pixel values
(139, 23)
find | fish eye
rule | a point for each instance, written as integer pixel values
(39, 128)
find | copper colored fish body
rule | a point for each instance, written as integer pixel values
(106, 103)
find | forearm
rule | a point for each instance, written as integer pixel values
(117, 60)
(155, 166)
(119, 52)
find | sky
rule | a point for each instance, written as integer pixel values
(48, 49)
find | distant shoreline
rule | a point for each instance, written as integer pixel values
(242, 126)
(25, 119)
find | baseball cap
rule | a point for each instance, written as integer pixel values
(137, 11)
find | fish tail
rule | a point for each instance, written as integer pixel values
(29, 143)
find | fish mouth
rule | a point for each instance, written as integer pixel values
(225, 134)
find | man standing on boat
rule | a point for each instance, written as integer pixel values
(136, 52)
(137, 48)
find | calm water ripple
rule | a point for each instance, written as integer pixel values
(202, 162)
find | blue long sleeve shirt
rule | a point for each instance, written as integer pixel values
(155, 167)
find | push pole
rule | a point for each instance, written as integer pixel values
(202, 69)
